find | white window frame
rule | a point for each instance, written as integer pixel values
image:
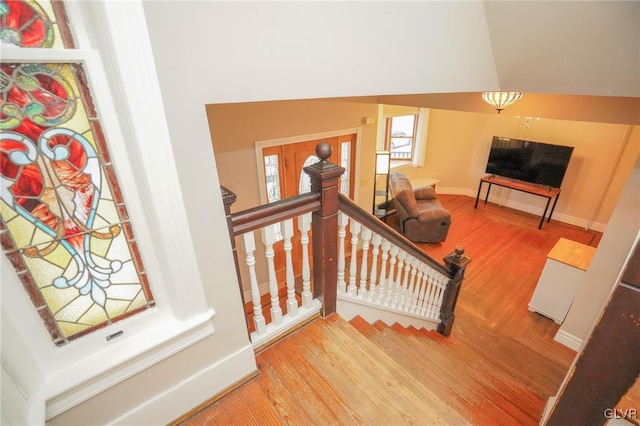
(420, 143)
(111, 41)
(388, 124)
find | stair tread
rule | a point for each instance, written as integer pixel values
(295, 374)
(476, 390)
(407, 401)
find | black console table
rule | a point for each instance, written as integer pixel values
(530, 188)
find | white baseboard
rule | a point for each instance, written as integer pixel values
(569, 340)
(171, 403)
(527, 208)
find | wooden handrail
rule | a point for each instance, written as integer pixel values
(374, 224)
(268, 214)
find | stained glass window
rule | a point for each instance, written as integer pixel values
(64, 225)
(272, 176)
(34, 24)
(345, 161)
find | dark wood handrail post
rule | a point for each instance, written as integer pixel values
(324, 227)
(456, 263)
(228, 198)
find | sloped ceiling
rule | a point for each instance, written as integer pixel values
(566, 47)
(575, 60)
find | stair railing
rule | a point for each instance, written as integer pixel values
(391, 275)
(386, 272)
(267, 326)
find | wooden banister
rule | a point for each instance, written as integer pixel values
(268, 214)
(376, 225)
(457, 264)
(324, 227)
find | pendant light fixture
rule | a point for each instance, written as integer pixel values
(501, 100)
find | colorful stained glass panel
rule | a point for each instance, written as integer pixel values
(64, 223)
(28, 23)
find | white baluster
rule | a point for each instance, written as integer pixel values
(364, 269)
(410, 296)
(386, 245)
(304, 224)
(373, 284)
(393, 291)
(354, 228)
(433, 296)
(343, 220)
(438, 303)
(393, 259)
(292, 303)
(427, 293)
(269, 238)
(417, 307)
(402, 290)
(258, 318)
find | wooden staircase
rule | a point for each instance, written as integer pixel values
(479, 386)
(339, 372)
(499, 365)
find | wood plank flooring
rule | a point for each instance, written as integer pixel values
(499, 366)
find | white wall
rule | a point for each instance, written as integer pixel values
(603, 273)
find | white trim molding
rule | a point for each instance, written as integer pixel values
(569, 340)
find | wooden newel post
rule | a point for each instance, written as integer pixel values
(457, 264)
(324, 227)
(228, 198)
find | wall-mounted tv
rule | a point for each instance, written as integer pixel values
(534, 162)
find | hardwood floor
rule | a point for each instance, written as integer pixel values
(499, 366)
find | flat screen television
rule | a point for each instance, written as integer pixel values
(533, 162)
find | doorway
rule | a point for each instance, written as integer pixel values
(281, 166)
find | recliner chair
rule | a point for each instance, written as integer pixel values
(421, 217)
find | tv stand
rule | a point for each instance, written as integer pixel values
(547, 192)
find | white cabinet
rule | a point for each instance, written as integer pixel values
(566, 264)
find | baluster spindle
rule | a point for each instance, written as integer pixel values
(354, 228)
(432, 295)
(366, 237)
(404, 289)
(343, 221)
(304, 224)
(386, 245)
(398, 280)
(292, 303)
(269, 238)
(373, 284)
(258, 318)
(392, 265)
(438, 303)
(411, 290)
(417, 308)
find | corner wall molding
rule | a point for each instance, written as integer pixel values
(569, 340)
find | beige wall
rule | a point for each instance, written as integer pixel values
(235, 129)
(459, 142)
